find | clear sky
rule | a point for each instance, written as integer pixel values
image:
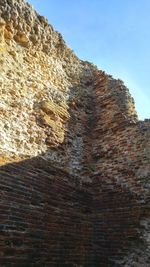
(113, 34)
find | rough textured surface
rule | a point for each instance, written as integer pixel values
(75, 160)
(35, 81)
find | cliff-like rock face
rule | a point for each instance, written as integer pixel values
(75, 160)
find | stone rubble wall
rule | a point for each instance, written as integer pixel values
(36, 82)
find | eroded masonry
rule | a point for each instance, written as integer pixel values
(75, 159)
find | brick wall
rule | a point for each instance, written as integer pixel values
(47, 219)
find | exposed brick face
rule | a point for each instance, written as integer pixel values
(46, 220)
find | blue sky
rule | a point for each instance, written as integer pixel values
(113, 34)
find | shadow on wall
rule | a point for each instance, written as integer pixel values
(49, 219)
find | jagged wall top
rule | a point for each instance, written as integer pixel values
(27, 27)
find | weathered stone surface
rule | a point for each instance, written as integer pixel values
(75, 159)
